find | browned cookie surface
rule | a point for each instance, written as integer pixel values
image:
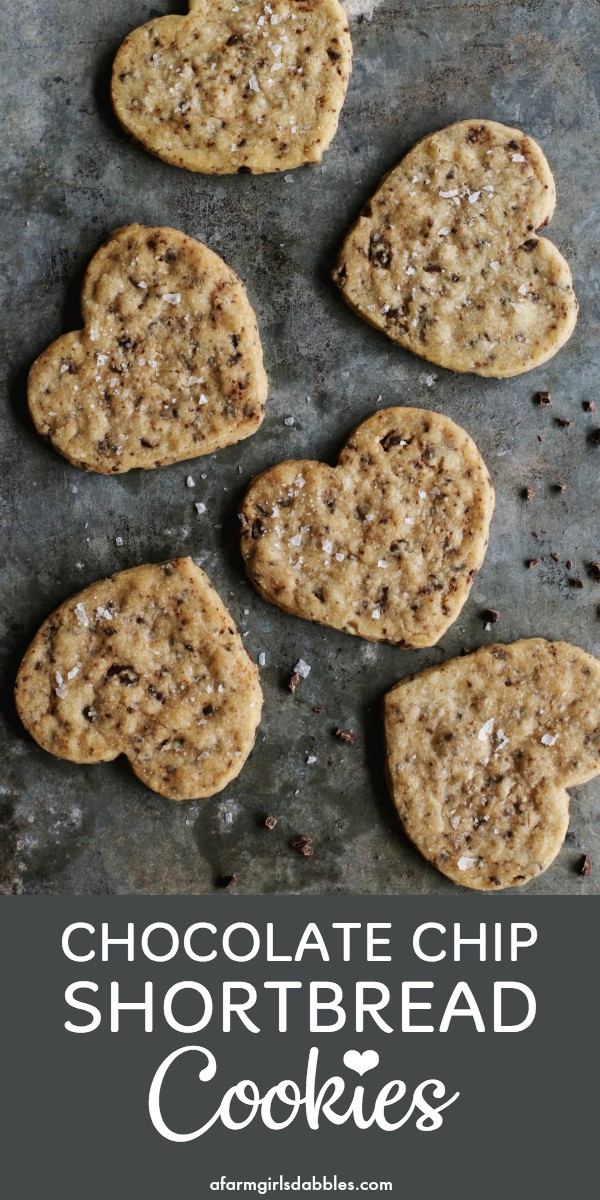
(167, 367)
(445, 258)
(386, 544)
(250, 87)
(481, 751)
(148, 664)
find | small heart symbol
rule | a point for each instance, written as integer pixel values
(361, 1063)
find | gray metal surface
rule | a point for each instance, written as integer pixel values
(71, 178)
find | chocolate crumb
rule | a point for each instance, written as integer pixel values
(563, 422)
(294, 681)
(226, 881)
(555, 556)
(560, 487)
(318, 711)
(589, 406)
(345, 736)
(490, 615)
(544, 398)
(270, 822)
(594, 570)
(569, 564)
(594, 437)
(576, 583)
(585, 865)
(304, 845)
(539, 437)
(533, 562)
(529, 493)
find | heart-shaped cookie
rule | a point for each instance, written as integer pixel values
(248, 88)
(169, 364)
(481, 750)
(386, 544)
(148, 664)
(445, 259)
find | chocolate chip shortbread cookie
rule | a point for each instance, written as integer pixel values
(386, 544)
(148, 664)
(481, 751)
(168, 366)
(445, 258)
(250, 87)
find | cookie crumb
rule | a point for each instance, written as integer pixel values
(563, 422)
(303, 845)
(270, 822)
(345, 735)
(585, 866)
(529, 493)
(533, 562)
(543, 398)
(560, 487)
(294, 681)
(589, 406)
(594, 570)
(318, 710)
(576, 582)
(594, 437)
(569, 564)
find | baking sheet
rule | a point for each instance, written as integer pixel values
(71, 178)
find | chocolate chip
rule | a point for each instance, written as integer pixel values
(391, 439)
(270, 822)
(126, 675)
(380, 251)
(226, 881)
(304, 845)
(345, 736)
(543, 398)
(258, 529)
(529, 245)
(585, 866)
(490, 615)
